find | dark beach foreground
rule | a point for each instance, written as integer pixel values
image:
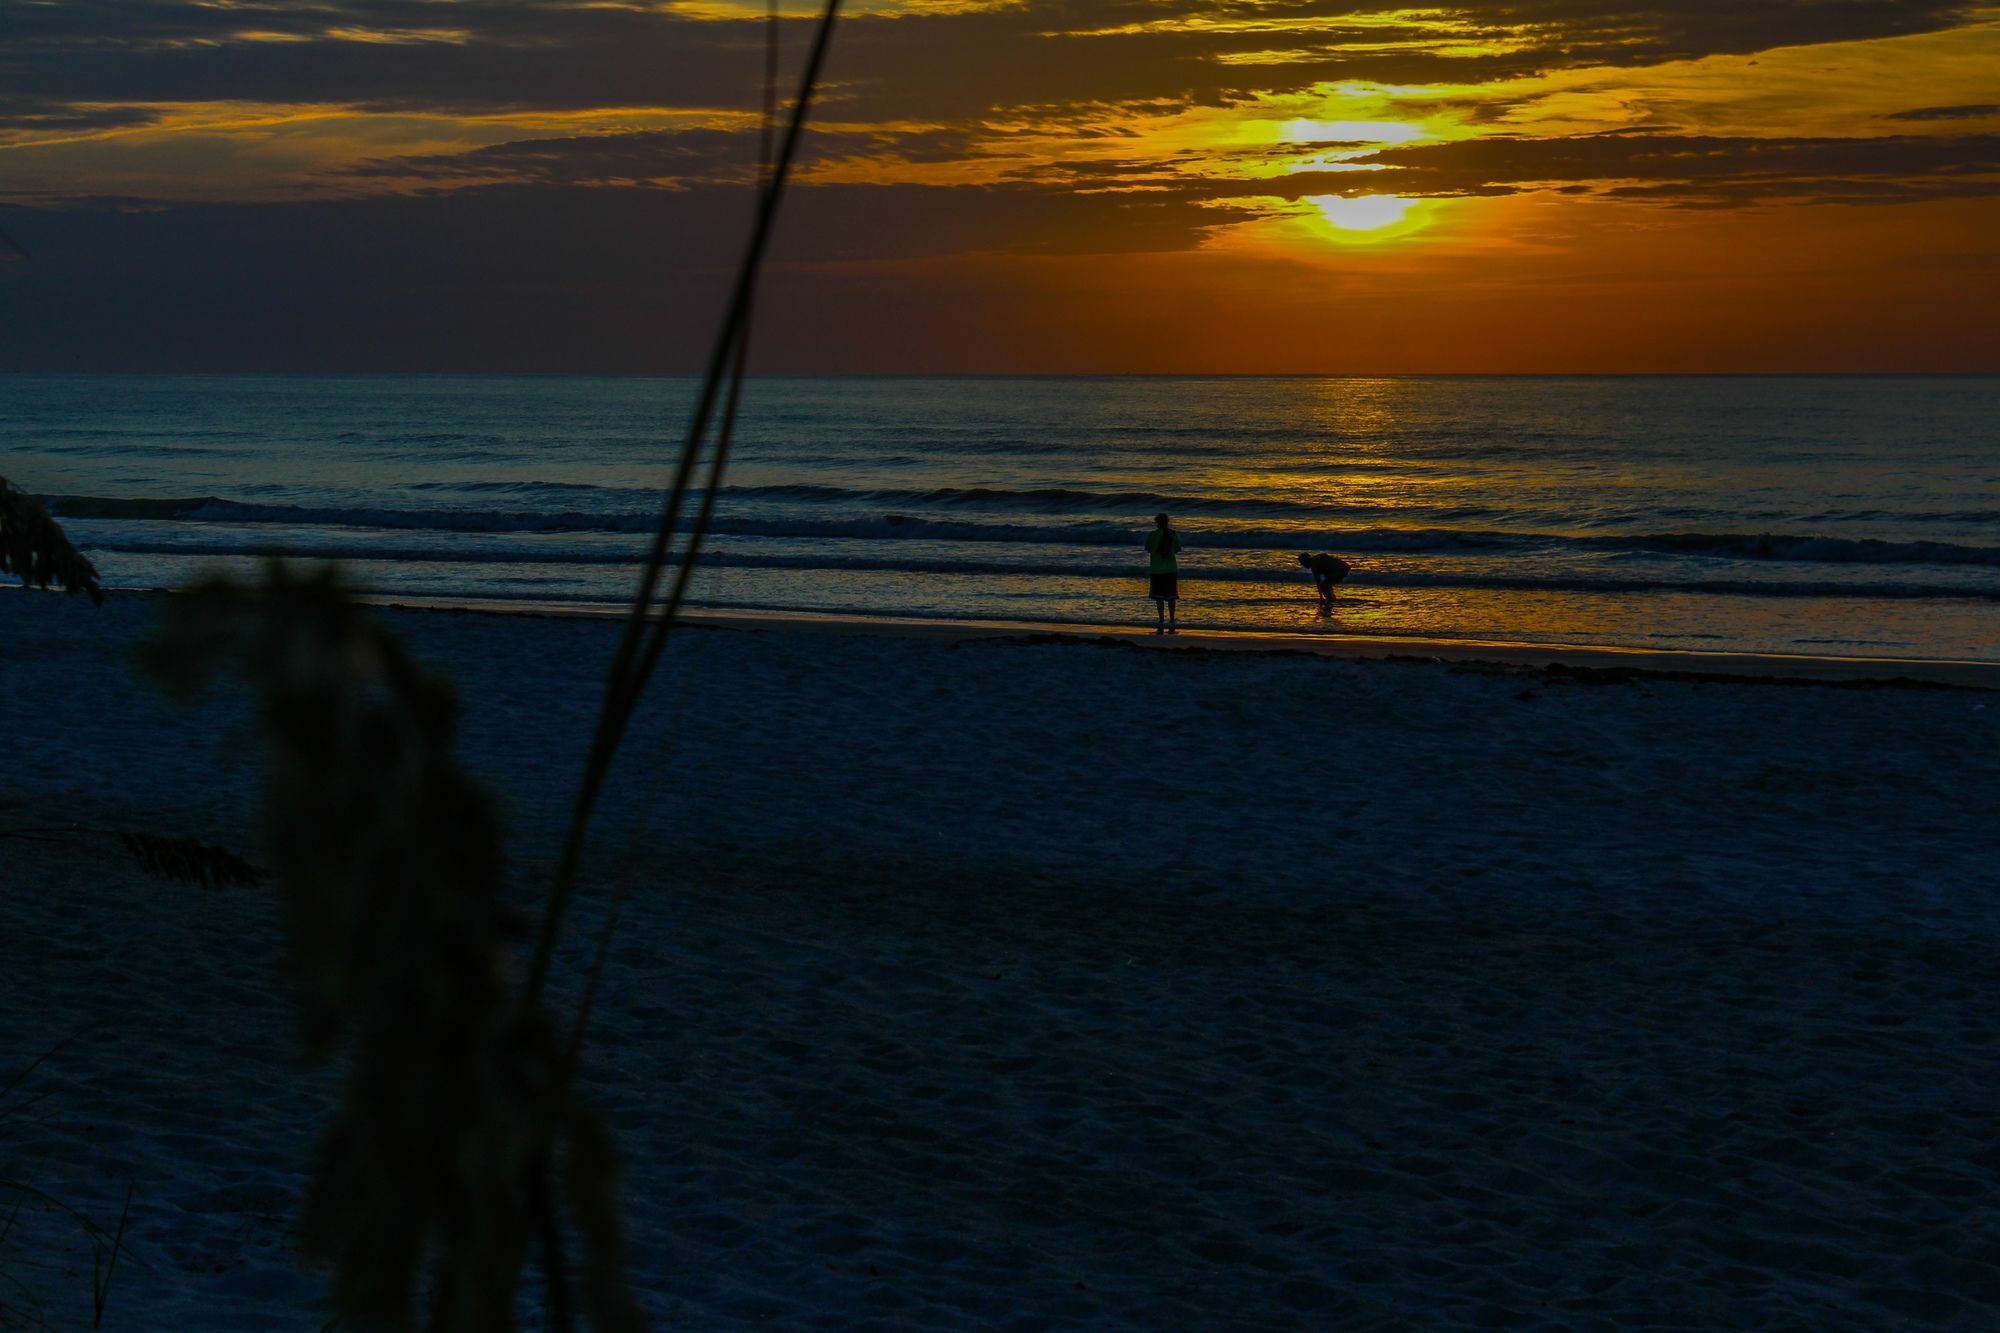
(1035, 984)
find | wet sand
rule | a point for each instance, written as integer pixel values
(1971, 674)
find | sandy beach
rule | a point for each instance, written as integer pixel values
(1029, 982)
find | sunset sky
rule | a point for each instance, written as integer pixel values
(1096, 186)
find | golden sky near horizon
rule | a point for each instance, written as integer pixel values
(1236, 186)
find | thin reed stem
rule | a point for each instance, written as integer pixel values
(21, 1076)
(100, 1291)
(626, 680)
(725, 435)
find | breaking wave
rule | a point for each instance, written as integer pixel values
(1277, 573)
(1795, 548)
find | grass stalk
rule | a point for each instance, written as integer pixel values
(100, 1286)
(633, 659)
(725, 436)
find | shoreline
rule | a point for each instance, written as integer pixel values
(1613, 661)
(1669, 663)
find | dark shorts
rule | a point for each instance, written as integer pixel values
(1165, 587)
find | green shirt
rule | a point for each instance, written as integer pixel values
(1162, 544)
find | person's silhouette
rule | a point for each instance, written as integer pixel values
(1162, 545)
(1327, 570)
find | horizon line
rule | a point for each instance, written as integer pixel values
(21, 372)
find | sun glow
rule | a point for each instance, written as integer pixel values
(1348, 131)
(1365, 212)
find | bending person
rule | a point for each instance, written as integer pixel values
(1327, 570)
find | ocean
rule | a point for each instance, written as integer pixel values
(1835, 515)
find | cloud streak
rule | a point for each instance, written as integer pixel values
(1703, 170)
(488, 54)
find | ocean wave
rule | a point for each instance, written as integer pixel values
(533, 497)
(418, 437)
(874, 527)
(1708, 587)
(1062, 500)
(1817, 550)
(1276, 573)
(898, 526)
(212, 509)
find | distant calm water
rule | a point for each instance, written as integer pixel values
(1851, 515)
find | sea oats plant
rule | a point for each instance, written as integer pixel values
(457, 1144)
(453, 1148)
(177, 860)
(33, 547)
(185, 861)
(650, 618)
(458, 1141)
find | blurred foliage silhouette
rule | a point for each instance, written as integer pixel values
(454, 1147)
(185, 861)
(33, 547)
(457, 1144)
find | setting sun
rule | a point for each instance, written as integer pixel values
(1367, 212)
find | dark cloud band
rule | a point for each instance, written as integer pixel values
(497, 54)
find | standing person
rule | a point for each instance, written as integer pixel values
(1162, 545)
(1327, 570)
